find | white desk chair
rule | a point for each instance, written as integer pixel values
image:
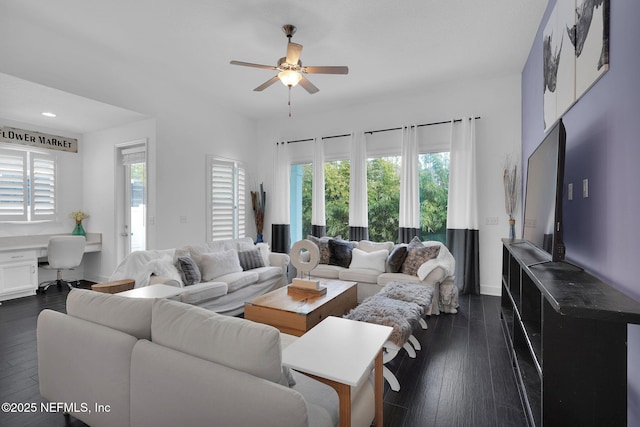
(63, 253)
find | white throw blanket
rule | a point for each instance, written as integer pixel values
(140, 265)
(444, 260)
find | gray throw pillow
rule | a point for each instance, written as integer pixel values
(189, 270)
(396, 258)
(250, 259)
(340, 251)
(323, 246)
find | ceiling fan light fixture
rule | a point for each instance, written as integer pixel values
(289, 78)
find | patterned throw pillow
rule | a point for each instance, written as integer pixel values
(340, 251)
(250, 259)
(323, 246)
(418, 254)
(189, 270)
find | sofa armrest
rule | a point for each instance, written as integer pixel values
(277, 259)
(155, 280)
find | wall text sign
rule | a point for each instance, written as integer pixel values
(37, 139)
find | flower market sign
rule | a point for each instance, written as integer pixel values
(37, 139)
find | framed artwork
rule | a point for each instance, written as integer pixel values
(575, 46)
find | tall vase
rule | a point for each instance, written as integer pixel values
(259, 238)
(78, 230)
(512, 229)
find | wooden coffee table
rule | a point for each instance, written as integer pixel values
(295, 314)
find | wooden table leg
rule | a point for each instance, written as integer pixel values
(378, 388)
(344, 397)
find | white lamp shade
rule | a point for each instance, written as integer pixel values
(289, 78)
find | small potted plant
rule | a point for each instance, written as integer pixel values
(79, 216)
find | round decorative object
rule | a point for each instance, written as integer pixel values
(296, 252)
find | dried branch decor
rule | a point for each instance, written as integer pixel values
(511, 181)
(258, 201)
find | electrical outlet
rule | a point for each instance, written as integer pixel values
(570, 191)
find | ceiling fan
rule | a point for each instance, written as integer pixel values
(290, 68)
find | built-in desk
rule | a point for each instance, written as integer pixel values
(19, 262)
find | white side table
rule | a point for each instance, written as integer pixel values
(152, 291)
(340, 353)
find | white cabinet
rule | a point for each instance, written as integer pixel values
(18, 274)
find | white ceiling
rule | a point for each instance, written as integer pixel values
(132, 53)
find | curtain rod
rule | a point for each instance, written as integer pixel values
(379, 130)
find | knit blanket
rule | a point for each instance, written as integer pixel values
(141, 265)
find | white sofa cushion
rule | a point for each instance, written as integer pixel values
(267, 273)
(217, 264)
(239, 280)
(171, 388)
(128, 315)
(81, 361)
(203, 291)
(236, 343)
(327, 271)
(369, 260)
(359, 275)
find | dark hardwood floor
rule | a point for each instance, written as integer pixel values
(461, 377)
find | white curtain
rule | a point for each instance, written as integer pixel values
(462, 211)
(409, 219)
(358, 210)
(279, 208)
(318, 221)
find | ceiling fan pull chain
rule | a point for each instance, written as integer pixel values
(289, 102)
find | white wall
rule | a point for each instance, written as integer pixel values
(185, 130)
(496, 100)
(99, 190)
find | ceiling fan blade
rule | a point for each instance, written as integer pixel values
(326, 70)
(266, 84)
(250, 64)
(309, 87)
(293, 53)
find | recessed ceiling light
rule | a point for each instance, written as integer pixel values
(47, 114)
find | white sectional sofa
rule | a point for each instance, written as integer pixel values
(165, 363)
(372, 275)
(223, 285)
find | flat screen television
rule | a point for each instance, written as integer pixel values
(542, 223)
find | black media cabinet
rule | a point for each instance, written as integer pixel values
(567, 336)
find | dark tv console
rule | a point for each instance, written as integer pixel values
(566, 332)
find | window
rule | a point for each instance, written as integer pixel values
(434, 195)
(27, 186)
(336, 197)
(301, 177)
(383, 195)
(226, 199)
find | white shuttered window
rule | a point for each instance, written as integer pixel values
(27, 186)
(226, 196)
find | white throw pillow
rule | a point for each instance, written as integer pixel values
(216, 264)
(264, 251)
(369, 246)
(371, 260)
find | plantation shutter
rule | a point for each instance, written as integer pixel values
(43, 187)
(227, 195)
(13, 186)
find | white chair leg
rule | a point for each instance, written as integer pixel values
(391, 379)
(410, 351)
(414, 342)
(390, 353)
(423, 324)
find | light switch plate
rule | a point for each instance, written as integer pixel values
(585, 188)
(570, 191)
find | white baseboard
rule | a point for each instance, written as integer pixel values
(495, 291)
